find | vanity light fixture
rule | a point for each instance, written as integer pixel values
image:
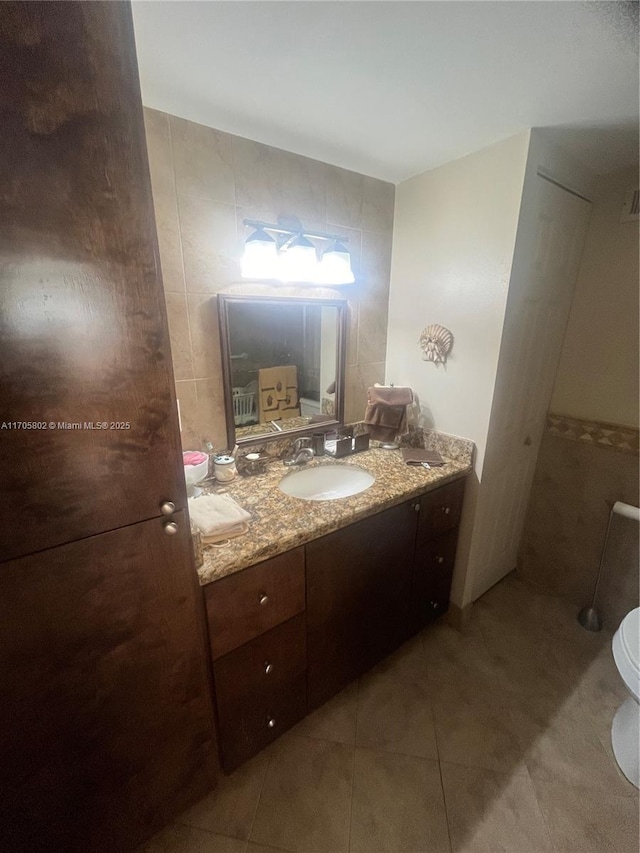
(260, 256)
(287, 254)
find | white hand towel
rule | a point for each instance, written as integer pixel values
(216, 513)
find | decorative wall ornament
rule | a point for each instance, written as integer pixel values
(435, 343)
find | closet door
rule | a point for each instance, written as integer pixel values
(551, 234)
(89, 438)
(106, 723)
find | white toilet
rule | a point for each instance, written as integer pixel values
(625, 729)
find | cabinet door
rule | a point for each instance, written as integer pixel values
(431, 582)
(83, 334)
(357, 598)
(106, 720)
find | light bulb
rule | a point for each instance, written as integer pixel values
(298, 261)
(335, 266)
(259, 259)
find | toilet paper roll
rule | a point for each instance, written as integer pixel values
(626, 510)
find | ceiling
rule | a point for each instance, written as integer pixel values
(393, 88)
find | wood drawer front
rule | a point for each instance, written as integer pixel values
(255, 668)
(244, 728)
(440, 510)
(431, 581)
(235, 613)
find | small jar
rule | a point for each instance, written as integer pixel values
(255, 463)
(225, 469)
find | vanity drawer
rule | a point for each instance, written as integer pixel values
(245, 605)
(440, 510)
(254, 669)
(431, 581)
(249, 726)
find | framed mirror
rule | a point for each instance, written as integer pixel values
(283, 362)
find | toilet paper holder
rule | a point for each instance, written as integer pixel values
(589, 617)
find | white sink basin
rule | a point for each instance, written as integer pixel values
(326, 482)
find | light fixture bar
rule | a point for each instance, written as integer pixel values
(279, 229)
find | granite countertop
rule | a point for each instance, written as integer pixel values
(279, 522)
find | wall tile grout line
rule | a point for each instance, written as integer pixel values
(184, 276)
(175, 199)
(353, 766)
(545, 821)
(446, 808)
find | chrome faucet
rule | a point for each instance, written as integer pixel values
(300, 451)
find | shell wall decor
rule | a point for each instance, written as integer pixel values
(435, 343)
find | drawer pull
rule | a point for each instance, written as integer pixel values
(440, 560)
(446, 510)
(416, 507)
(271, 723)
(170, 528)
(167, 507)
(434, 604)
(263, 599)
(268, 668)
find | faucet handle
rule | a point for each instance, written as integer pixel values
(300, 451)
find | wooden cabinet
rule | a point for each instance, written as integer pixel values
(261, 689)
(244, 605)
(440, 511)
(106, 719)
(435, 553)
(84, 345)
(433, 564)
(358, 582)
(257, 634)
(107, 726)
(367, 588)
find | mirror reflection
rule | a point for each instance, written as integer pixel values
(282, 361)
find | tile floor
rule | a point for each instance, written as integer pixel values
(490, 740)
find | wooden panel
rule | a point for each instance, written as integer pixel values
(83, 332)
(255, 668)
(245, 730)
(440, 510)
(552, 228)
(358, 583)
(431, 581)
(244, 605)
(106, 720)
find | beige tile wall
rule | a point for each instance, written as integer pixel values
(204, 183)
(574, 486)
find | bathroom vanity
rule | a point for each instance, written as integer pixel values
(318, 592)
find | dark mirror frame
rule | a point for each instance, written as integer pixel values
(224, 301)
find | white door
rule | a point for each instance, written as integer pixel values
(549, 244)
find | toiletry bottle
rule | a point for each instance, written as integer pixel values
(208, 446)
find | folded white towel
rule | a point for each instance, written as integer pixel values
(216, 513)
